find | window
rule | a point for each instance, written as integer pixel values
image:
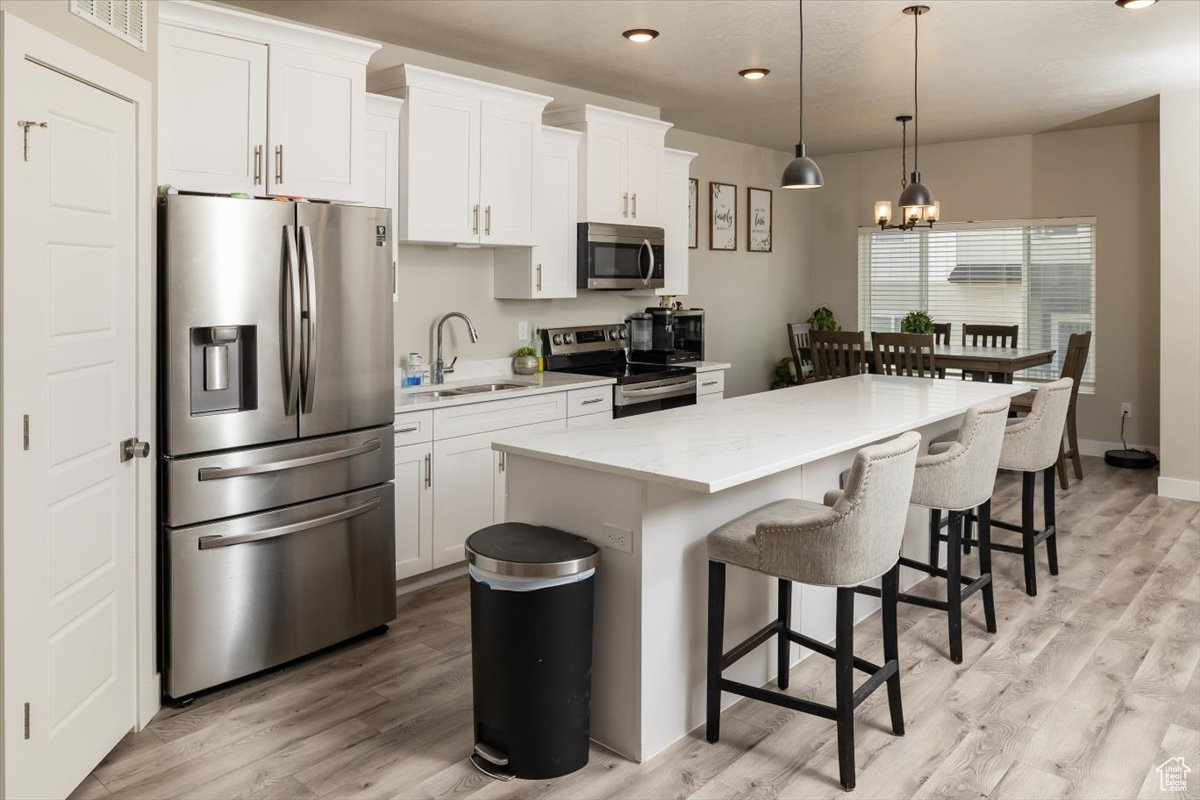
(1040, 275)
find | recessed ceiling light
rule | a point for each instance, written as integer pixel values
(754, 73)
(640, 35)
(1134, 5)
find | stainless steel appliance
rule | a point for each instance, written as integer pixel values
(619, 256)
(600, 350)
(675, 336)
(275, 408)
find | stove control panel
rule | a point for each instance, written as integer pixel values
(583, 339)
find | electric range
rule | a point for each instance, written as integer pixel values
(600, 350)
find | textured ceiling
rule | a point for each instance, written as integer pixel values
(988, 67)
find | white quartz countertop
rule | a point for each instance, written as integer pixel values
(704, 366)
(420, 397)
(715, 446)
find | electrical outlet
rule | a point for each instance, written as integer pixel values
(522, 331)
(1127, 410)
(618, 538)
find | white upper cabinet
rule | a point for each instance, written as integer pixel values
(622, 164)
(212, 103)
(674, 214)
(381, 162)
(547, 270)
(467, 159)
(262, 106)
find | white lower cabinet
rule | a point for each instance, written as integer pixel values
(709, 398)
(414, 509)
(710, 386)
(589, 421)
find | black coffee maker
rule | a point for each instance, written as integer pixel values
(662, 340)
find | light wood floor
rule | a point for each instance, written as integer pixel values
(1084, 690)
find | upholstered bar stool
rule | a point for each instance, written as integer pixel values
(1031, 445)
(855, 537)
(958, 478)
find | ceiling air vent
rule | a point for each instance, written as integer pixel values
(125, 19)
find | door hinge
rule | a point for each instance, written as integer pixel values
(25, 435)
(27, 720)
(25, 126)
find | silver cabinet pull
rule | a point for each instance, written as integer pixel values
(625, 200)
(475, 219)
(133, 448)
(278, 163)
(291, 324)
(593, 400)
(500, 462)
(310, 284)
(710, 383)
(219, 473)
(428, 470)
(635, 205)
(539, 277)
(487, 221)
(209, 542)
(258, 164)
(409, 429)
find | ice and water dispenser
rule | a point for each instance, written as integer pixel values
(223, 369)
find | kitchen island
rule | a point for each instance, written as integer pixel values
(648, 489)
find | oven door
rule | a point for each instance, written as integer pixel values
(620, 257)
(642, 398)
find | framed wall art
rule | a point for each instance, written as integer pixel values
(722, 216)
(758, 220)
(693, 213)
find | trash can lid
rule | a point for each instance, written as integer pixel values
(530, 551)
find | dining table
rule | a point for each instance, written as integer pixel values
(998, 363)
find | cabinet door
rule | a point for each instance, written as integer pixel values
(316, 125)
(643, 167)
(557, 204)
(414, 510)
(440, 180)
(212, 112)
(508, 149)
(607, 197)
(381, 173)
(464, 493)
(674, 216)
(709, 398)
(500, 490)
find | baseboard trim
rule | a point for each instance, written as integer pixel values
(1095, 447)
(1179, 489)
(424, 581)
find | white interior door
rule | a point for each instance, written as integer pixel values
(508, 145)
(69, 369)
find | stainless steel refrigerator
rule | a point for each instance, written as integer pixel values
(275, 409)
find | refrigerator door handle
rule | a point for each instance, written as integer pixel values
(310, 284)
(209, 542)
(218, 473)
(291, 324)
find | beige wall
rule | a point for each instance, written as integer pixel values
(1180, 334)
(54, 17)
(1110, 173)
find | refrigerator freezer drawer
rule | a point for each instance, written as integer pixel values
(246, 594)
(201, 488)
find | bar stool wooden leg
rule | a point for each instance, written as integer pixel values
(716, 641)
(844, 685)
(966, 534)
(1028, 486)
(1073, 442)
(985, 564)
(935, 530)
(784, 645)
(1048, 516)
(954, 584)
(891, 646)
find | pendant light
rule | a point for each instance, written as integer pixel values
(917, 205)
(802, 172)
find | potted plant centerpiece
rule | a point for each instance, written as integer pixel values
(524, 361)
(917, 322)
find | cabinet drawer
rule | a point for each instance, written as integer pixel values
(589, 421)
(494, 415)
(413, 427)
(710, 382)
(589, 401)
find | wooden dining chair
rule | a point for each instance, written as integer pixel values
(1073, 365)
(798, 333)
(942, 331)
(904, 354)
(837, 354)
(990, 336)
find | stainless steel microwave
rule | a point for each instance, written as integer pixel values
(619, 256)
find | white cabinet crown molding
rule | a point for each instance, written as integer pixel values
(574, 115)
(564, 136)
(267, 30)
(680, 156)
(411, 75)
(383, 106)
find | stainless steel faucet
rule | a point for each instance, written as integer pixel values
(439, 366)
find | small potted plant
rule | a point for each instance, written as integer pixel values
(524, 361)
(822, 319)
(917, 322)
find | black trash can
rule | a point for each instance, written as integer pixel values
(531, 639)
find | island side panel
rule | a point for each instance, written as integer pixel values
(582, 502)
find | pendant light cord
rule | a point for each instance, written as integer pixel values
(801, 5)
(916, 109)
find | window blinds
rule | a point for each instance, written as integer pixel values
(1038, 274)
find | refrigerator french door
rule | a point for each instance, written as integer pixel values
(276, 402)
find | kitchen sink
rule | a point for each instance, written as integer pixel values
(434, 394)
(491, 387)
